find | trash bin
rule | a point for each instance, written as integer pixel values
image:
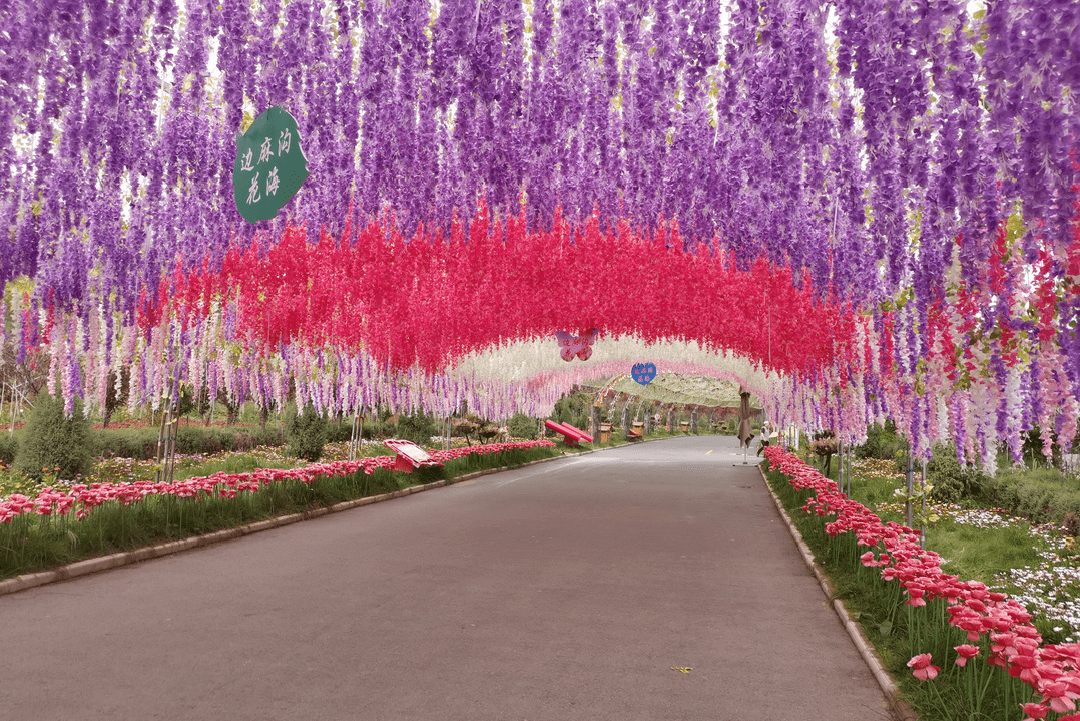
(684, 426)
(605, 432)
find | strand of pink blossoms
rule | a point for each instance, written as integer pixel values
(1015, 645)
(83, 498)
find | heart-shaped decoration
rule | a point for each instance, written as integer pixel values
(643, 372)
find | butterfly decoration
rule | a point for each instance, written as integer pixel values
(643, 373)
(576, 345)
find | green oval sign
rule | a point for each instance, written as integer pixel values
(270, 165)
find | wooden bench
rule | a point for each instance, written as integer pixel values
(409, 455)
(571, 436)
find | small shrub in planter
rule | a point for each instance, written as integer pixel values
(53, 444)
(466, 428)
(824, 446)
(305, 433)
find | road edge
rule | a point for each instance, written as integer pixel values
(899, 708)
(89, 566)
(125, 558)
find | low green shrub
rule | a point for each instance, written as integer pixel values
(339, 430)
(882, 442)
(190, 440)
(53, 444)
(1041, 495)
(418, 428)
(523, 426)
(9, 445)
(305, 432)
(950, 482)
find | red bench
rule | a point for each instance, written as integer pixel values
(409, 455)
(571, 436)
(581, 434)
(632, 435)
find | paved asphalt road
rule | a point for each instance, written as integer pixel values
(565, 590)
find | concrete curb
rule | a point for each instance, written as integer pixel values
(897, 706)
(115, 560)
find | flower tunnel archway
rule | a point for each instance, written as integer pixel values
(373, 317)
(870, 205)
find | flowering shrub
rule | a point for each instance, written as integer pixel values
(993, 623)
(823, 446)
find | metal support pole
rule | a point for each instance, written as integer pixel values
(910, 488)
(159, 475)
(849, 475)
(352, 439)
(172, 440)
(922, 532)
(840, 464)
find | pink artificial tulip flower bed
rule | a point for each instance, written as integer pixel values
(81, 499)
(995, 626)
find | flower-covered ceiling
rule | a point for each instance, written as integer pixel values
(875, 202)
